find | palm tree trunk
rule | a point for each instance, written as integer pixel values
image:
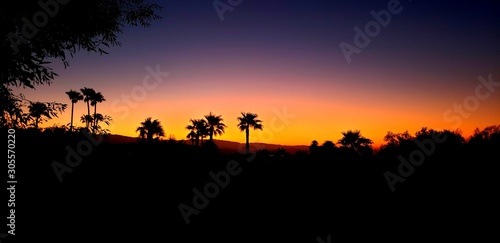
(247, 145)
(211, 133)
(149, 137)
(197, 141)
(88, 113)
(72, 108)
(95, 113)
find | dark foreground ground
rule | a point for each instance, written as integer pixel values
(132, 192)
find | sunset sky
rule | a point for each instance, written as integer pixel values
(270, 57)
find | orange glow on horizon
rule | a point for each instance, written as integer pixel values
(319, 113)
(304, 124)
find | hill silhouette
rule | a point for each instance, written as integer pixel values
(225, 146)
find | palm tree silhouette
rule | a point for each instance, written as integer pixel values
(86, 118)
(247, 120)
(98, 117)
(96, 98)
(354, 140)
(192, 136)
(150, 129)
(74, 96)
(88, 94)
(37, 110)
(142, 133)
(215, 125)
(198, 129)
(202, 128)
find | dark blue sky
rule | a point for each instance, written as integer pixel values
(435, 36)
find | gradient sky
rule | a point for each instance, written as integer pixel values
(285, 55)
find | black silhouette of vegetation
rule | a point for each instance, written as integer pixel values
(246, 121)
(198, 130)
(215, 125)
(211, 125)
(150, 130)
(74, 96)
(331, 186)
(88, 94)
(354, 142)
(38, 111)
(32, 42)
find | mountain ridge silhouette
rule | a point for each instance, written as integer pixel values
(224, 145)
